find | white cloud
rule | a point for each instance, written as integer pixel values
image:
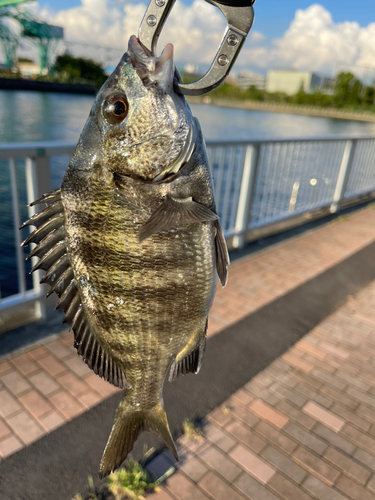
(194, 30)
(256, 37)
(314, 41)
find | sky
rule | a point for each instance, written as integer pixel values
(321, 36)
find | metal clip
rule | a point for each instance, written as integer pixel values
(239, 15)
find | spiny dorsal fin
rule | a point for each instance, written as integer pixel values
(38, 218)
(48, 198)
(49, 237)
(222, 256)
(175, 213)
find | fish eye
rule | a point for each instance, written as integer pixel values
(115, 108)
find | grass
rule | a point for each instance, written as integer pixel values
(91, 494)
(129, 482)
(225, 410)
(342, 218)
(192, 431)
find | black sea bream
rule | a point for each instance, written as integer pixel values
(132, 243)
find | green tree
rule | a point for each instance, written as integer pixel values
(253, 94)
(348, 90)
(301, 97)
(81, 68)
(368, 96)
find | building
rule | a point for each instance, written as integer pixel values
(246, 79)
(290, 81)
(328, 85)
(29, 68)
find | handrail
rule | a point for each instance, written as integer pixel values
(315, 138)
(27, 149)
(262, 186)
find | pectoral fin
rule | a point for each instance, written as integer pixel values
(175, 213)
(222, 256)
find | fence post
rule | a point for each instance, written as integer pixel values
(342, 179)
(246, 194)
(16, 224)
(38, 182)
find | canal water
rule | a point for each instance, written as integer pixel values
(37, 116)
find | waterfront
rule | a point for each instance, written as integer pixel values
(34, 116)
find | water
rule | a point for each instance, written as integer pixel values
(37, 116)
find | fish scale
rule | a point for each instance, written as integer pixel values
(139, 292)
(131, 244)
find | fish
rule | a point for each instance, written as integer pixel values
(132, 245)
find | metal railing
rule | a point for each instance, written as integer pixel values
(261, 187)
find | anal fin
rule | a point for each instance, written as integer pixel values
(189, 360)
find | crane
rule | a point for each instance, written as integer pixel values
(44, 36)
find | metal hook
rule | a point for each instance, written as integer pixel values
(239, 15)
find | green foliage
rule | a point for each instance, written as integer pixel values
(348, 93)
(368, 96)
(347, 89)
(91, 494)
(79, 68)
(226, 90)
(132, 481)
(191, 431)
(190, 77)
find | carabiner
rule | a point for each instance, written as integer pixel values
(239, 15)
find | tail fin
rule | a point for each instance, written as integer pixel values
(129, 423)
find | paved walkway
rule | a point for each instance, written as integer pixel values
(47, 385)
(302, 429)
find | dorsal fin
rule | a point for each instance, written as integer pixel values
(49, 237)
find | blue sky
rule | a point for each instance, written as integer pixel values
(274, 16)
(313, 35)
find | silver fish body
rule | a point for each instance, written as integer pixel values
(132, 243)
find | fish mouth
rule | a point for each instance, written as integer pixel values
(160, 71)
(152, 69)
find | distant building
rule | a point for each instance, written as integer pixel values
(29, 68)
(246, 79)
(231, 81)
(328, 85)
(290, 81)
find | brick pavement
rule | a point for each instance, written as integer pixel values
(47, 385)
(302, 429)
